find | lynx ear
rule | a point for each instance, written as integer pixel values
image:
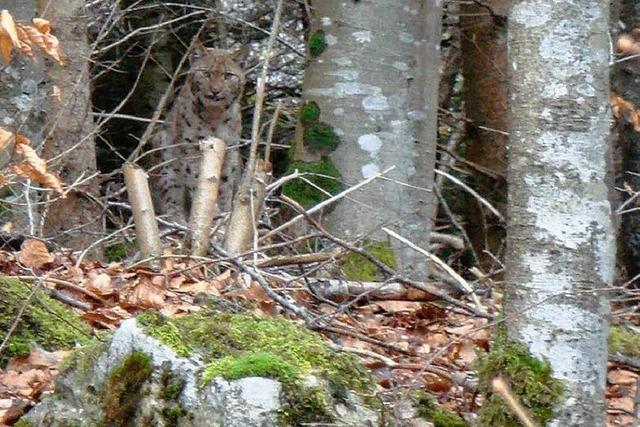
(199, 50)
(240, 56)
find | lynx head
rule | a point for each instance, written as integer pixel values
(217, 78)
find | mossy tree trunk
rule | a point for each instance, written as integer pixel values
(559, 237)
(373, 72)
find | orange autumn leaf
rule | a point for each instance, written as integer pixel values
(625, 110)
(8, 35)
(34, 168)
(34, 254)
(24, 37)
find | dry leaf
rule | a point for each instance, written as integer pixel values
(100, 284)
(33, 167)
(626, 110)
(34, 254)
(8, 35)
(147, 295)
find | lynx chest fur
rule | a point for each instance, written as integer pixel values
(208, 104)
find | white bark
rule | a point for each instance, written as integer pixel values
(560, 238)
(376, 83)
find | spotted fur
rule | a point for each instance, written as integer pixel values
(208, 104)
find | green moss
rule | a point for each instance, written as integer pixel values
(242, 345)
(326, 177)
(118, 251)
(304, 406)
(266, 365)
(624, 341)
(357, 267)
(45, 322)
(166, 332)
(428, 409)
(23, 422)
(171, 388)
(317, 43)
(530, 379)
(321, 136)
(125, 389)
(309, 113)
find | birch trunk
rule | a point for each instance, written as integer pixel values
(376, 83)
(560, 239)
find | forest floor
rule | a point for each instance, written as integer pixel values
(408, 345)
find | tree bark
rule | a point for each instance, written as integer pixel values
(560, 240)
(484, 68)
(74, 221)
(376, 83)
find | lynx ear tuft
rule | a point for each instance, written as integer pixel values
(199, 50)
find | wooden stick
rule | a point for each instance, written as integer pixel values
(203, 208)
(144, 217)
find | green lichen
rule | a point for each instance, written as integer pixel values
(428, 409)
(323, 174)
(264, 364)
(317, 43)
(530, 379)
(357, 267)
(624, 341)
(309, 113)
(321, 136)
(45, 323)
(124, 389)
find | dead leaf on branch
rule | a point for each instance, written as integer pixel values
(35, 168)
(24, 37)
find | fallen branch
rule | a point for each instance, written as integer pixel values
(342, 290)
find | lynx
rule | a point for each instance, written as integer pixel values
(208, 104)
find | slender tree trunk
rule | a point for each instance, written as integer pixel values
(560, 239)
(484, 67)
(75, 221)
(376, 83)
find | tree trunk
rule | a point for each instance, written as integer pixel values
(75, 221)
(376, 83)
(484, 67)
(22, 108)
(560, 239)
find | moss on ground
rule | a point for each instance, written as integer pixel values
(323, 174)
(125, 389)
(530, 379)
(624, 341)
(309, 113)
(45, 323)
(428, 409)
(357, 267)
(243, 345)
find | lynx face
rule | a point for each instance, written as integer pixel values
(221, 78)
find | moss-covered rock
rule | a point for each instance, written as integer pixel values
(45, 323)
(317, 43)
(428, 409)
(321, 136)
(322, 174)
(530, 379)
(624, 341)
(357, 267)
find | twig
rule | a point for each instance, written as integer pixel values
(501, 388)
(465, 287)
(325, 203)
(471, 191)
